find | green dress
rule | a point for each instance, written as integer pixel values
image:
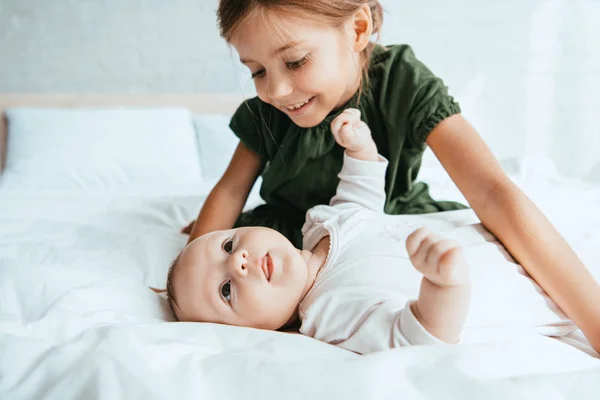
(401, 102)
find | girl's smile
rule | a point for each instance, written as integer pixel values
(297, 109)
(306, 70)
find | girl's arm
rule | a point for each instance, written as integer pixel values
(226, 201)
(515, 220)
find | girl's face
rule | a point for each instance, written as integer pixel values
(302, 68)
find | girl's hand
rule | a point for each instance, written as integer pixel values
(186, 230)
(354, 135)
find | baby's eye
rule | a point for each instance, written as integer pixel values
(228, 246)
(226, 291)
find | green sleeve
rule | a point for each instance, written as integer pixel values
(413, 98)
(247, 125)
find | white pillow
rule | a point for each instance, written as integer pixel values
(216, 143)
(110, 148)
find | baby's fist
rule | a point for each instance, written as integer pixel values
(439, 259)
(352, 133)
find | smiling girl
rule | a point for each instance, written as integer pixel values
(310, 60)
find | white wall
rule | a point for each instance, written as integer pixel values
(527, 72)
(112, 46)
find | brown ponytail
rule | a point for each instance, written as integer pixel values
(376, 15)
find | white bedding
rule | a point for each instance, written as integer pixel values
(78, 321)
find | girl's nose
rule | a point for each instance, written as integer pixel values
(279, 87)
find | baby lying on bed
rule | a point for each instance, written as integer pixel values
(364, 281)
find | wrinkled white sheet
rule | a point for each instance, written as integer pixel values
(78, 321)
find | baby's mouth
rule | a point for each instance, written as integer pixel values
(267, 266)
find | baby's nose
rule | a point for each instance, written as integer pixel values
(240, 262)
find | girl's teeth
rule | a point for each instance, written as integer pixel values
(296, 106)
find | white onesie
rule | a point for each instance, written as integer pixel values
(360, 297)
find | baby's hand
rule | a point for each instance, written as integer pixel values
(354, 135)
(439, 259)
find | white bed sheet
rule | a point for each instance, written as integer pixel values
(78, 321)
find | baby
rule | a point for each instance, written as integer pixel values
(355, 283)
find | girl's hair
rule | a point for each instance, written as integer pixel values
(231, 14)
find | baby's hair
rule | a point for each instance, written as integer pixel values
(231, 14)
(170, 290)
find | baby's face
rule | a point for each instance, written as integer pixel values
(250, 276)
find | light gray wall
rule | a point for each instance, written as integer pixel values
(173, 46)
(527, 72)
(109, 46)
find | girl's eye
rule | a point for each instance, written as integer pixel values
(258, 74)
(293, 65)
(226, 291)
(228, 246)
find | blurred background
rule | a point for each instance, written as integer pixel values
(527, 72)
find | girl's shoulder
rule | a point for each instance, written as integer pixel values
(260, 117)
(253, 111)
(393, 63)
(259, 125)
(382, 53)
(409, 96)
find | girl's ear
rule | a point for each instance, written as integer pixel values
(362, 28)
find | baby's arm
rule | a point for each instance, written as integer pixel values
(362, 178)
(354, 135)
(445, 292)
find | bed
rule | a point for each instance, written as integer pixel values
(91, 204)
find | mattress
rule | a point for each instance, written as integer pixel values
(77, 319)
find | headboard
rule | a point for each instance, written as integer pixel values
(197, 103)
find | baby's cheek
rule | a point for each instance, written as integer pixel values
(275, 301)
